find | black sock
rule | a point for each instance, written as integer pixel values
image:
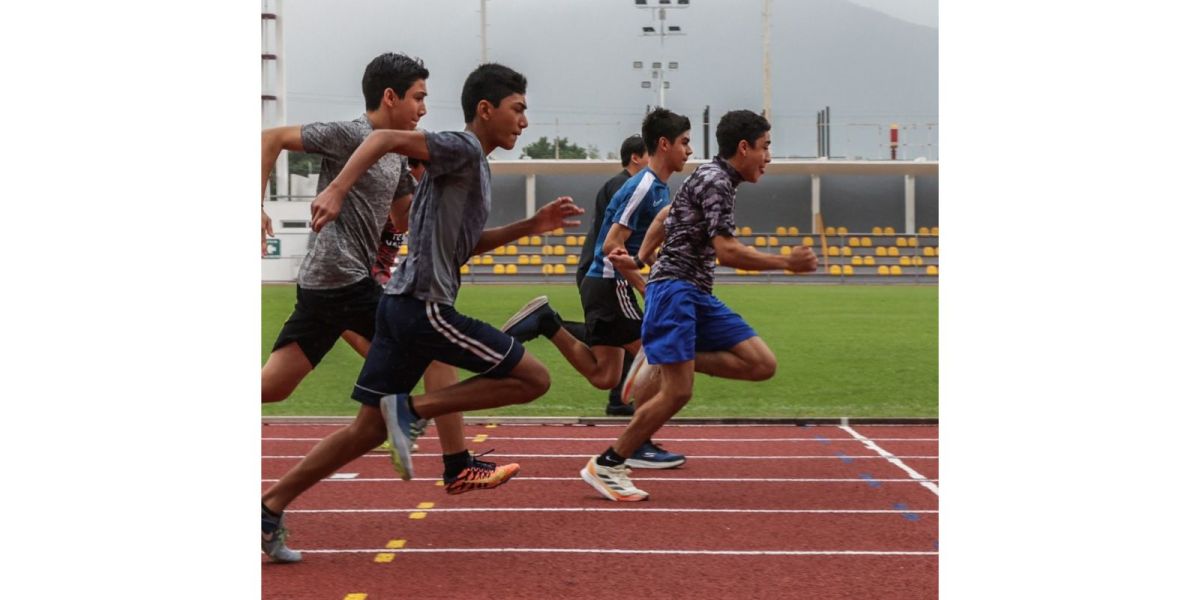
(610, 458)
(453, 464)
(412, 408)
(271, 513)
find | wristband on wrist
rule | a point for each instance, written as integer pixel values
(637, 260)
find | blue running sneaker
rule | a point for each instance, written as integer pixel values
(534, 319)
(274, 540)
(403, 429)
(653, 456)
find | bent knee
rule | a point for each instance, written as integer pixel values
(764, 369)
(605, 381)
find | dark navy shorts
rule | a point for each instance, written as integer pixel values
(682, 320)
(321, 316)
(411, 333)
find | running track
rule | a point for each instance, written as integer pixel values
(778, 511)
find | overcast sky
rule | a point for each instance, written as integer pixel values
(578, 57)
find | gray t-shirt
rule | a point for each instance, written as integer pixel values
(342, 253)
(449, 211)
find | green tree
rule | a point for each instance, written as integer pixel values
(301, 163)
(544, 148)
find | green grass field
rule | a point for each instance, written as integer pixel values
(843, 351)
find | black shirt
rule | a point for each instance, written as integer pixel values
(589, 245)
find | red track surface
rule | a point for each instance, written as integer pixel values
(801, 480)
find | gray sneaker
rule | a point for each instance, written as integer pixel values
(274, 538)
(403, 429)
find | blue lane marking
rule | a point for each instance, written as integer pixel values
(871, 483)
(843, 457)
(907, 515)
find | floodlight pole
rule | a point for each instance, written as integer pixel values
(766, 65)
(483, 32)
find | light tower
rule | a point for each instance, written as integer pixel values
(660, 29)
(274, 93)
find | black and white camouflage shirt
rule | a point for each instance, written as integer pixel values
(702, 210)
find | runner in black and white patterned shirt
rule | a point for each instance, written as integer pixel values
(685, 328)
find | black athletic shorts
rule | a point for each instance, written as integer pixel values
(610, 311)
(411, 333)
(321, 316)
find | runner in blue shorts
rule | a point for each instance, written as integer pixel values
(685, 328)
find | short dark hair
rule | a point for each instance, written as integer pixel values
(633, 144)
(662, 123)
(390, 70)
(738, 125)
(492, 82)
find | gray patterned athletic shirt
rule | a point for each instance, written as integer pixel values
(344, 250)
(702, 210)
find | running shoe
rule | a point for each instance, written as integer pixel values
(274, 540)
(534, 319)
(386, 446)
(612, 482)
(641, 374)
(403, 429)
(481, 475)
(653, 456)
(619, 410)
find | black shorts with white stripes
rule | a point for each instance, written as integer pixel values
(410, 333)
(610, 311)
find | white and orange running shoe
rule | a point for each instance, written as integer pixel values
(612, 482)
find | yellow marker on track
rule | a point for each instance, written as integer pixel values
(425, 505)
(479, 438)
(355, 597)
(384, 557)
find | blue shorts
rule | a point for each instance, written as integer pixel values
(682, 320)
(411, 333)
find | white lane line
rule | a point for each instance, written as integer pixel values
(621, 551)
(895, 460)
(656, 479)
(765, 511)
(586, 456)
(609, 439)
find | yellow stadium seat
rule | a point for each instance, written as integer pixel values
(893, 251)
(524, 241)
(535, 240)
(746, 230)
(937, 250)
(572, 260)
(847, 270)
(498, 250)
(793, 230)
(833, 251)
(786, 250)
(760, 241)
(781, 230)
(876, 231)
(487, 259)
(523, 259)
(931, 270)
(868, 261)
(512, 251)
(880, 251)
(570, 240)
(464, 269)
(498, 269)
(866, 242)
(889, 231)
(558, 231)
(857, 260)
(547, 250)
(883, 270)
(807, 241)
(933, 231)
(559, 250)
(830, 231)
(912, 242)
(560, 269)
(835, 270)
(923, 231)
(847, 251)
(510, 269)
(403, 249)
(905, 261)
(739, 271)
(536, 259)
(476, 260)
(842, 231)
(772, 241)
(854, 242)
(896, 270)
(927, 250)
(901, 242)
(918, 261)
(547, 270)
(645, 269)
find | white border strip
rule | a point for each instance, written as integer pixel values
(895, 460)
(655, 479)
(764, 511)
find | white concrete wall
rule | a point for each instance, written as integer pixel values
(293, 241)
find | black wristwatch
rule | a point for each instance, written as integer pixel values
(637, 260)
